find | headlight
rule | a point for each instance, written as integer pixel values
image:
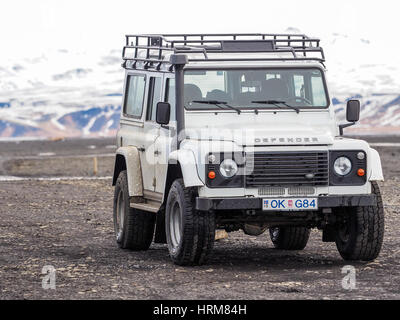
(228, 168)
(342, 166)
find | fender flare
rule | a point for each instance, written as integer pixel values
(376, 173)
(133, 168)
(187, 162)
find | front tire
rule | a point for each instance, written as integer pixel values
(133, 228)
(360, 234)
(190, 233)
(289, 238)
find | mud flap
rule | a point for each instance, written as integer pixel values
(328, 234)
(160, 236)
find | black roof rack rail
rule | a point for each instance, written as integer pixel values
(155, 46)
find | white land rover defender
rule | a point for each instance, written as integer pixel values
(236, 131)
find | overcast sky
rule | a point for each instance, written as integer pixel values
(88, 24)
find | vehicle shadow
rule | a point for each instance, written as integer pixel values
(259, 258)
(250, 257)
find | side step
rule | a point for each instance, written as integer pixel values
(150, 206)
(151, 201)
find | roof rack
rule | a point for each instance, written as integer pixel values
(154, 47)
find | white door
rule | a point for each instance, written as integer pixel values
(134, 129)
(151, 131)
(164, 143)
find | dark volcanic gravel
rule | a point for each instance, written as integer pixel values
(68, 224)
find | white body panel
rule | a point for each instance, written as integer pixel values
(141, 136)
(376, 173)
(249, 128)
(188, 164)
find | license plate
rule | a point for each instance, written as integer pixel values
(290, 204)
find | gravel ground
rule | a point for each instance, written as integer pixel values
(68, 224)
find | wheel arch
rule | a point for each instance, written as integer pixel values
(179, 167)
(128, 158)
(174, 172)
(119, 165)
(182, 164)
(376, 173)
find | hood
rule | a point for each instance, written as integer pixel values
(268, 129)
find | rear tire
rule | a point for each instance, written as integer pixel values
(360, 235)
(133, 228)
(190, 233)
(289, 238)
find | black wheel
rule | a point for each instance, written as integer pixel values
(360, 235)
(133, 228)
(289, 238)
(190, 233)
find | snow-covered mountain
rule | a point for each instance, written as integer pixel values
(61, 94)
(71, 94)
(361, 69)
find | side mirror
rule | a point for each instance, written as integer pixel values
(353, 111)
(352, 114)
(163, 113)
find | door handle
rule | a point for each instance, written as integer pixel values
(157, 152)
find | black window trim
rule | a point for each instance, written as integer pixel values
(166, 88)
(154, 76)
(150, 98)
(167, 82)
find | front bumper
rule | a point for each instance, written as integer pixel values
(251, 203)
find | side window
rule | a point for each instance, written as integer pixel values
(153, 98)
(299, 86)
(134, 95)
(170, 95)
(318, 91)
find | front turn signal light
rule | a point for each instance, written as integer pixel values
(361, 172)
(211, 175)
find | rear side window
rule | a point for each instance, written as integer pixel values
(170, 96)
(318, 89)
(153, 98)
(134, 95)
(299, 86)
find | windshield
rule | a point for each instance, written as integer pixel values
(254, 89)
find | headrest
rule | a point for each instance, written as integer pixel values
(218, 95)
(192, 92)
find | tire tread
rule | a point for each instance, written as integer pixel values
(292, 238)
(369, 226)
(199, 228)
(139, 225)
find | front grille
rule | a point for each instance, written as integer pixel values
(271, 191)
(287, 169)
(301, 191)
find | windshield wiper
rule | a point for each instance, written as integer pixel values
(218, 104)
(277, 103)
